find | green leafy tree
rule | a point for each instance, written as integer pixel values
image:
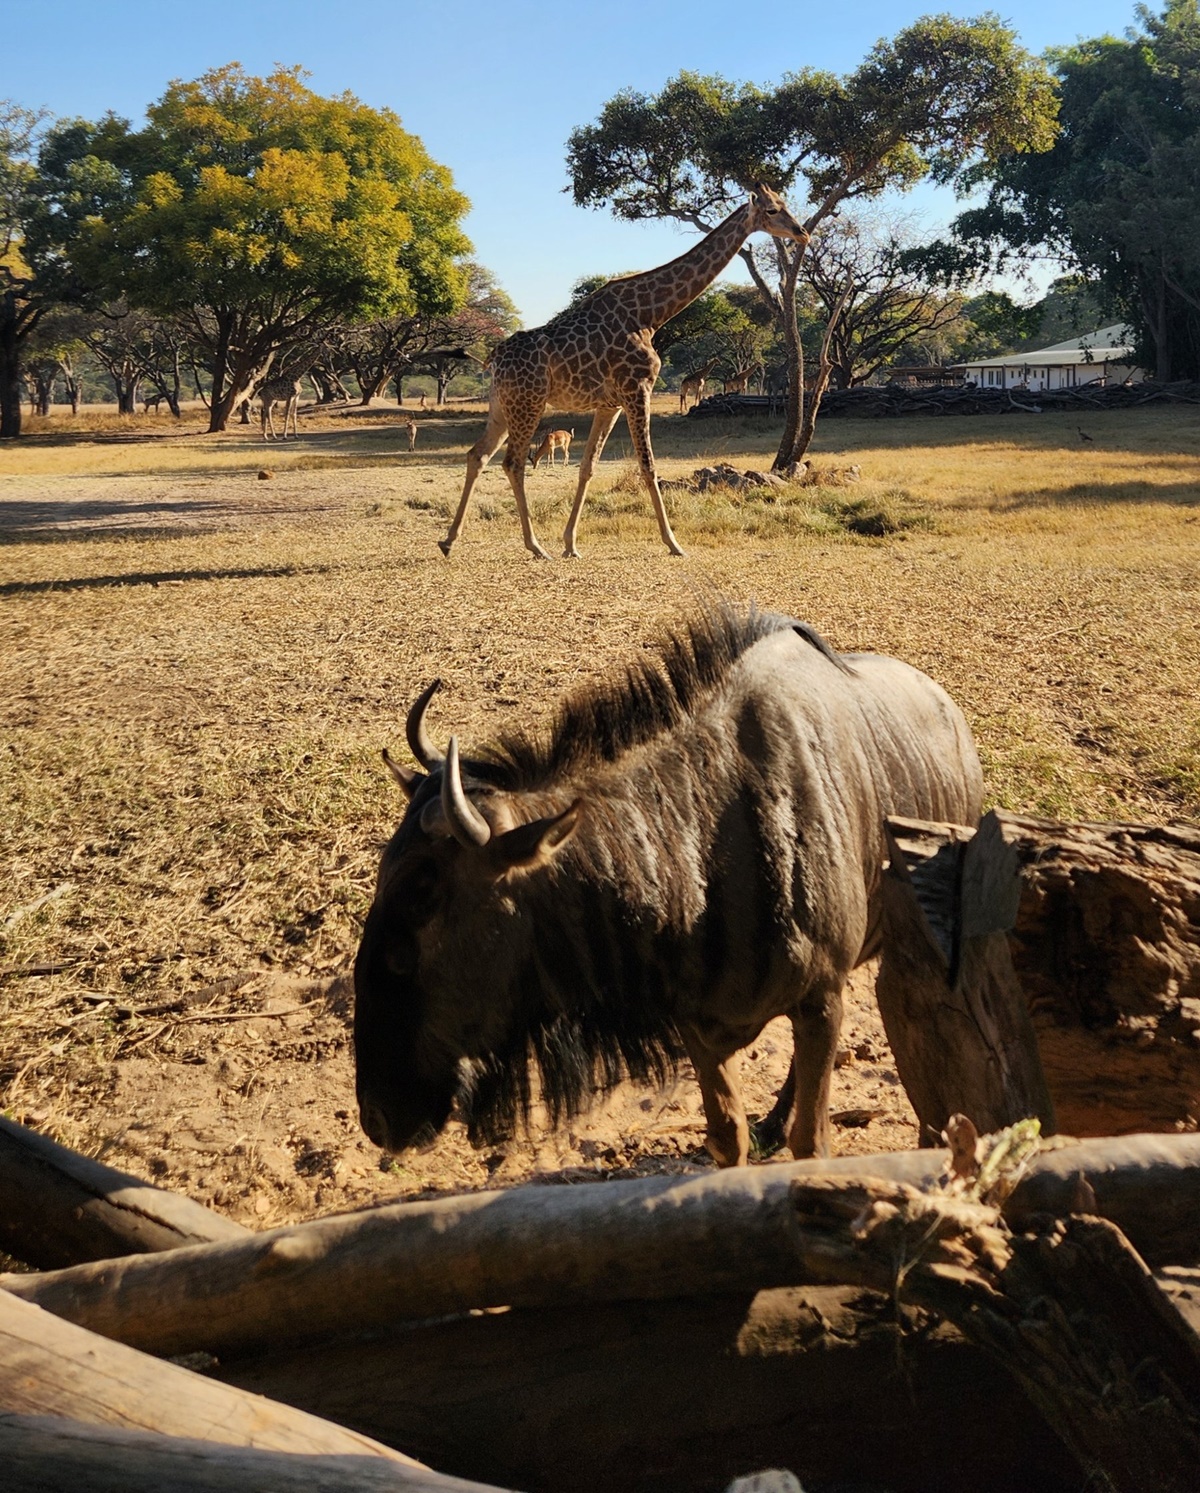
(939, 97)
(1118, 197)
(261, 214)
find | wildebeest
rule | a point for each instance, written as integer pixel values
(690, 851)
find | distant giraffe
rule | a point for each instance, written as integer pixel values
(737, 383)
(692, 386)
(598, 355)
(285, 390)
(411, 426)
(552, 441)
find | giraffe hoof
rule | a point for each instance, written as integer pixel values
(444, 546)
(571, 553)
(677, 553)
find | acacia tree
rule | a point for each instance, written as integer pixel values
(942, 95)
(261, 214)
(1118, 197)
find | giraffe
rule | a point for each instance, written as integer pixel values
(737, 382)
(692, 387)
(598, 355)
(284, 390)
(552, 441)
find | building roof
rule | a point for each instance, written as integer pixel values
(1107, 345)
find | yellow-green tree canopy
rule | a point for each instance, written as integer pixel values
(263, 212)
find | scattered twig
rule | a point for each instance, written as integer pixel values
(19, 913)
(19, 970)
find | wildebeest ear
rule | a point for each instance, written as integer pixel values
(408, 777)
(532, 844)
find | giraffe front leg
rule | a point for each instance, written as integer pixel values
(516, 454)
(477, 458)
(637, 414)
(602, 424)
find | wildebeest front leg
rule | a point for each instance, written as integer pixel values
(816, 1025)
(728, 1137)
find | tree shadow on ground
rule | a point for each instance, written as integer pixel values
(161, 577)
(1084, 494)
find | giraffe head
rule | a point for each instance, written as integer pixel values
(769, 214)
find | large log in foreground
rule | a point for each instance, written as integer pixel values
(834, 1383)
(41, 1454)
(60, 1208)
(51, 1370)
(653, 1238)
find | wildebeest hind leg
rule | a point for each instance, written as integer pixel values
(816, 1025)
(728, 1137)
(772, 1130)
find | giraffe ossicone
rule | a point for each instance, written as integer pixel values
(598, 355)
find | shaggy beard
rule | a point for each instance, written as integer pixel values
(576, 1063)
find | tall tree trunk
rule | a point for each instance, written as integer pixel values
(221, 397)
(444, 375)
(790, 449)
(10, 369)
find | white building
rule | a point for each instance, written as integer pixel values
(1103, 357)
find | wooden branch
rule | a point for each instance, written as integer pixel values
(60, 1208)
(41, 1454)
(952, 1006)
(51, 1368)
(831, 1382)
(652, 1238)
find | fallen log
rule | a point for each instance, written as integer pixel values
(834, 1383)
(50, 1368)
(1105, 942)
(952, 1006)
(45, 1455)
(653, 1238)
(60, 1208)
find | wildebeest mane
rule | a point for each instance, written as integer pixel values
(652, 695)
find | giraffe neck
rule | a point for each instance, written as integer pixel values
(663, 292)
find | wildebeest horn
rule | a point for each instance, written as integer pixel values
(465, 822)
(419, 743)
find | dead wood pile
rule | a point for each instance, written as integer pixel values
(385, 1320)
(893, 400)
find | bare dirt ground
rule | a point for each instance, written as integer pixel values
(199, 666)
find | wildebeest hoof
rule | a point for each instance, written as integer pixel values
(444, 546)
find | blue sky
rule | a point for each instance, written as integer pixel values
(492, 89)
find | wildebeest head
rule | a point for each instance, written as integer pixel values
(439, 973)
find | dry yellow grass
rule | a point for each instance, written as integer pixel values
(199, 669)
